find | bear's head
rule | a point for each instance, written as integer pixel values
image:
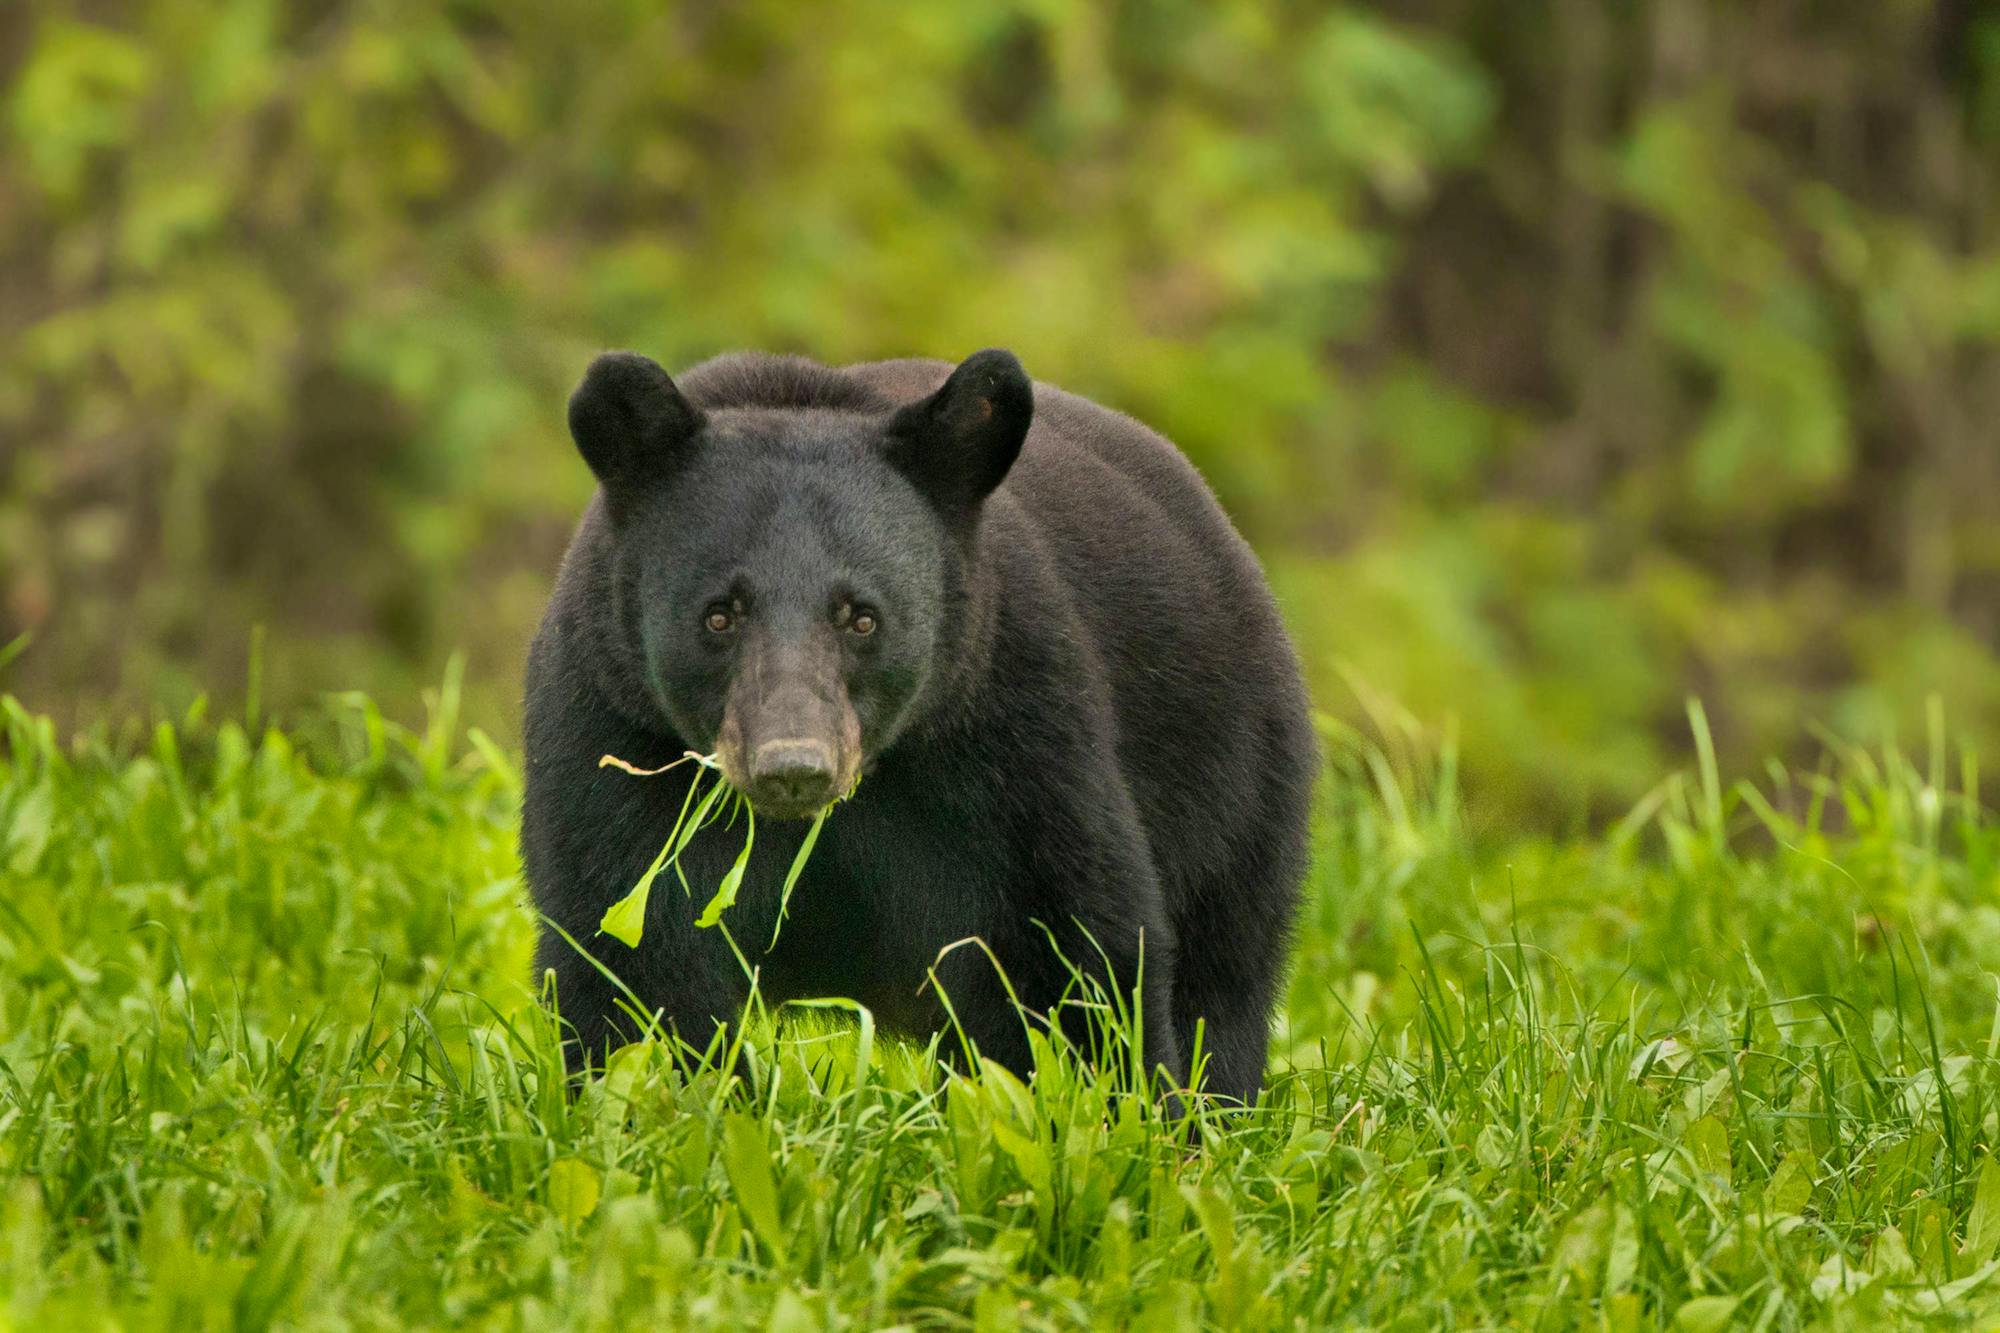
(790, 579)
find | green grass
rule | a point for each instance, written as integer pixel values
(270, 1057)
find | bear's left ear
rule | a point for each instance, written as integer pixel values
(957, 444)
(630, 423)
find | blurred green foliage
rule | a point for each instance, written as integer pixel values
(1563, 359)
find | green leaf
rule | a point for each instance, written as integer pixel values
(1705, 1314)
(1930, 1299)
(1791, 1185)
(1229, 1289)
(624, 1069)
(1494, 1147)
(1582, 1244)
(27, 834)
(1930, 1234)
(688, 825)
(725, 892)
(746, 1156)
(625, 920)
(1982, 1226)
(1621, 1258)
(1890, 1257)
(573, 1189)
(790, 1314)
(792, 875)
(1708, 1144)
(1031, 1159)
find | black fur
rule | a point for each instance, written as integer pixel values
(1079, 716)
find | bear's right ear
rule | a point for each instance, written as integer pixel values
(630, 423)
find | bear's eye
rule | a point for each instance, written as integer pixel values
(862, 623)
(719, 619)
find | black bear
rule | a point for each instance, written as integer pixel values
(1019, 616)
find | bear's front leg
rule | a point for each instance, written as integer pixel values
(588, 833)
(1071, 978)
(1083, 929)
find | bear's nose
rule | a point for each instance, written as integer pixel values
(791, 776)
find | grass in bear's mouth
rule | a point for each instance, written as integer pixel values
(625, 920)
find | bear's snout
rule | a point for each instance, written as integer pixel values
(790, 741)
(792, 775)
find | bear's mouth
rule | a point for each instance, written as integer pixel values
(782, 809)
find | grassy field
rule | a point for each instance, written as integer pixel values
(270, 1057)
